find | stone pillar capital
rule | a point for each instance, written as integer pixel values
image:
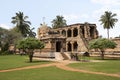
(71, 42)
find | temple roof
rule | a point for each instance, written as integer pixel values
(53, 37)
(44, 27)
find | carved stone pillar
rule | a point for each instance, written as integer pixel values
(61, 47)
(78, 31)
(72, 32)
(95, 33)
(66, 33)
(60, 32)
(85, 31)
(72, 46)
(66, 46)
(88, 30)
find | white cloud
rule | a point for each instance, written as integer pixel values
(70, 17)
(5, 26)
(107, 2)
(84, 16)
(75, 16)
(97, 13)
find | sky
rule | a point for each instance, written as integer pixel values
(74, 11)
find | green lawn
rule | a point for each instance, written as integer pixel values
(14, 61)
(107, 66)
(51, 73)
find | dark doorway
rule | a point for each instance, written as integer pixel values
(58, 46)
(69, 46)
(69, 33)
(75, 32)
(64, 33)
(92, 31)
(75, 46)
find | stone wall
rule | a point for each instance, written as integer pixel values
(117, 49)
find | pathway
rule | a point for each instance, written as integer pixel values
(61, 65)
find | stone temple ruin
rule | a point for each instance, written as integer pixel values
(61, 42)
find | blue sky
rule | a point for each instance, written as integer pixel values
(74, 11)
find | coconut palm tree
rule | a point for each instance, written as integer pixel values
(108, 20)
(58, 22)
(21, 23)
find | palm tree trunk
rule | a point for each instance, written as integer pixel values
(108, 33)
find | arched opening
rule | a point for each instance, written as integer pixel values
(69, 33)
(58, 32)
(75, 46)
(69, 46)
(63, 32)
(75, 32)
(92, 32)
(58, 46)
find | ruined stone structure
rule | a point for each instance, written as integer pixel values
(68, 39)
(117, 49)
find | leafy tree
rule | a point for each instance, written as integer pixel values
(3, 34)
(59, 22)
(14, 36)
(31, 33)
(8, 37)
(5, 47)
(30, 44)
(102, 44)
(22, 25)
(4, 39)
(108, 20)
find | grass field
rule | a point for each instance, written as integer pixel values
(15, 61)
(107, 66)
(54, 73)
(51, 73)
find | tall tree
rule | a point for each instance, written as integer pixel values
(102, 44)
(14, 36)
(59, 22)
(22, 25)
(4, 39)
(8, 37)
(108, 20)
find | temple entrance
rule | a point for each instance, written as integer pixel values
(58, 46)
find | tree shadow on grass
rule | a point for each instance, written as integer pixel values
(107, 58)
(112, 59)
(37, 61)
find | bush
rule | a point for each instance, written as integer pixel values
(6, 52)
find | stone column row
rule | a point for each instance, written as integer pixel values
(72, 46)
(72, 31)
(88, 33)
